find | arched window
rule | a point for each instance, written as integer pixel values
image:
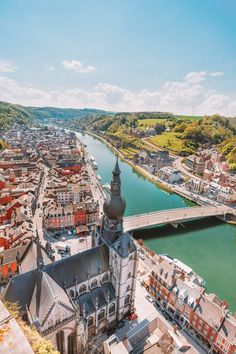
(72, 294)
(127, 299)
(101, 315)
(90, 321)
(128, 288)
(82, 289)
(94, 283)
(129, 275)
(105, 278)
(112, 308)
(71, 344)
(60, 337)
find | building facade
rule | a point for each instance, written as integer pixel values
(74, 300)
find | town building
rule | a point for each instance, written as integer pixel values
(76, 299)
(181, 293)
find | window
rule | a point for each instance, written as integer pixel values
(94, 283)
(90, 321)
(71, 344)
(112, 308)
(128, 288)
(60, 338)
(82, 289)
(101, 315)
(105, 278)
(72, 294)
(129, 275)
(127, 300)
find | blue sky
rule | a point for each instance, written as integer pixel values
(172, 55)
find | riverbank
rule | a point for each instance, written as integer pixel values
(142, 171)
(208, 245)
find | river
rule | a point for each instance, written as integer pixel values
(208, 246)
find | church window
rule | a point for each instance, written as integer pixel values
(128, 288)
(112, 308)
(129, 275)
(60, 338)
(94, 283)
(71, 344)
(72, 294)
(105, 278)
(90, 321)
(82, 289)
(101, 315)
(127, 300)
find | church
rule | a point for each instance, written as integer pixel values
(76, 299)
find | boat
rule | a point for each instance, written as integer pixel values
(95, 165)
(99, 177)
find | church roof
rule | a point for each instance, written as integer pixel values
(77, 267)
(64, 272)
(124, 245)
(46, 294)
(97, 295)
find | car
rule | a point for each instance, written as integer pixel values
(141, 255)
(149, 298)
(156, 305)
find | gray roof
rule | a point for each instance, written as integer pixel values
(64, 272)
(124, 245)
(98, 294)
(76, 268)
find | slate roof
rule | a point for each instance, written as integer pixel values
(98, 295)
(64, 272)
(47, 293)
(77, 267)
(124, 245)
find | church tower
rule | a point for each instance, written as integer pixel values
(122, 249)
(114, 208)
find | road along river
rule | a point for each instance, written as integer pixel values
(207, 245)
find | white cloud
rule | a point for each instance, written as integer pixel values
(216, 74)
(6, 67)
(186, 96)
(195, 77)
(77, 66)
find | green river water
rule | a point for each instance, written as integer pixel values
(208, 246)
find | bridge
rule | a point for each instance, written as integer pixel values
(155, 218)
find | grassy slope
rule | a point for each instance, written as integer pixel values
(168, 140)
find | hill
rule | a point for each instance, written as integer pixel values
(10, 113)
(180, 134)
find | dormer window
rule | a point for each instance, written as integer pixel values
(94, 283)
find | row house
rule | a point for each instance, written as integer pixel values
(184, 298)
(57, 217)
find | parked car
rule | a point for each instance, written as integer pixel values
(149, 298)
(141, 255)
(155, 303)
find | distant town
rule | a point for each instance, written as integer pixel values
(68, 258)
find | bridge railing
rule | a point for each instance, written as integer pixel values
(174, 210)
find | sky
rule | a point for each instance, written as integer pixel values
(129, 55)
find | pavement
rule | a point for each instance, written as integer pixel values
(38, 216)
